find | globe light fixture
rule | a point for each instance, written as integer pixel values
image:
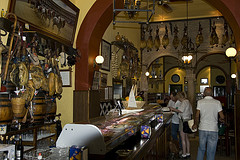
(231, 52)
(233, 75)
(99, 59)
(147, 74)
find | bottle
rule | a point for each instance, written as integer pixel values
(19, 149)
(2, 13)
(39, 156)
(7, 141)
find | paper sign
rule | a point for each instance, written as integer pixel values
(132, 101)
(3, 129)
(145, 131)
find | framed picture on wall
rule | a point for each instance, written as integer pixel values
(204, 80)
(106, 53)
(66, 77)
(96, 80)
(103, 81)
(54, 18)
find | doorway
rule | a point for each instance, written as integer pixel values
(175, 88)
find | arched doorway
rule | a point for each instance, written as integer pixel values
(100, 16)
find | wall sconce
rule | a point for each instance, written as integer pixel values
(231, 52)
(147, 74)
(98, 60)
(233, 75)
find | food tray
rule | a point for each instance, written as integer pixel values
(140, 104)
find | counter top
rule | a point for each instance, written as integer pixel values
(117, 129)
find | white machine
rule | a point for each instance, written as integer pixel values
(82, 135)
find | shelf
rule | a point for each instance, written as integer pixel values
(156, 80)
(39, 137)
(28, 148)
(27, 129)
(49, 135)
(124, 45)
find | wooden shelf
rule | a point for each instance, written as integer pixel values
(28, 148)
(124, 45)
(155, 80)
(30, 142)
(39, 137)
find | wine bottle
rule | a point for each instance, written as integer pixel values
(19, 149)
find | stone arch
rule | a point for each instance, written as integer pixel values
(211, 66)
(200, 64)
(162, 55)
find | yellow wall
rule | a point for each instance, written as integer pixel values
(130, 31)
(168, 76)
(204, 73)
(214, 73)
(65, 105)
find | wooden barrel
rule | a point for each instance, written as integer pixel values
(5, 108)
(51, 108)
(18, 108)
(39, 107)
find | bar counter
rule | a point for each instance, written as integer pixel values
(123, 138)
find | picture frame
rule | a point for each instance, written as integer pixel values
(96, 80)
(204, 80)
(106, 53)
(103, 82)
(66, 77)
(56, 19)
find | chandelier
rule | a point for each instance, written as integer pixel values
(132, 8)
(188, 52)
(132, 5)
(188, 47)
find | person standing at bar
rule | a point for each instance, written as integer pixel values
(208, 109)
(185, 113)
(174, 103)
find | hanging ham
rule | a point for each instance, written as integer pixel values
(214, 40)
(176, 40)
(184, 40)
(225, 36)
(199, 38)
(157, 42)
(150, 40)
(165, 40)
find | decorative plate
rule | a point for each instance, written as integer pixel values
(220, 79)
(175, 78)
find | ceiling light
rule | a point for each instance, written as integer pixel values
(231, 52)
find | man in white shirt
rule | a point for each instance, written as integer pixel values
(174, 103)
(208, 109)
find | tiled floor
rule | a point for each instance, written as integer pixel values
(220, 154)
